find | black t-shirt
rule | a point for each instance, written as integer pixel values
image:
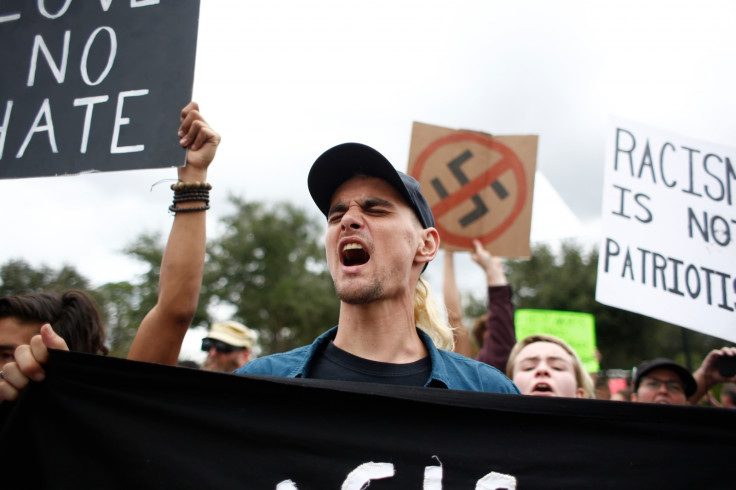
(337, 364)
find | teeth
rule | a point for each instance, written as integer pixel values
(354, 254)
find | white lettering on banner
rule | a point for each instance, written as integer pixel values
(286, 485)
(59, 72)
(62, 10)
(45, 113)
(496, 481)
(121, 121)
(433, 477)
(360, 478)
(4, 127)
(89, 102)
(110, 56)
(9, 17)
(41, 5)
(142, 3)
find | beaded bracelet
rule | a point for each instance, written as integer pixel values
(190, 192)
(203, 195)
(185, 186)
(191, 198)
(175, 210)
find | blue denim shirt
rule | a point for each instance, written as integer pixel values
(449, 369)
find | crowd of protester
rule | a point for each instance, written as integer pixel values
(380, 238)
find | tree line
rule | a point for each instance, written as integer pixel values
(268, 268)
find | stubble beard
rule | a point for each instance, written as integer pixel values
(360, 296)
(219, 365)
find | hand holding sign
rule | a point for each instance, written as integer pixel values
(201, 142)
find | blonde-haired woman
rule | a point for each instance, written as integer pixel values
(540, 365)
(544, 365)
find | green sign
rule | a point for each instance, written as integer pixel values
(577, 329)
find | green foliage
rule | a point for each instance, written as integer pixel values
(19, 277)
(120, 307)
(149, 248)
(475, 306)
(269, 265)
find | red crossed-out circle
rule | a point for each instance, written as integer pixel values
(509, 161)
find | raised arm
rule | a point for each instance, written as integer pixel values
(499, 337)
(707, 375)
(454, 309)
(162, 331)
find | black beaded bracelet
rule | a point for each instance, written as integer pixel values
(190, 192)
(193, 198)
(175, 210)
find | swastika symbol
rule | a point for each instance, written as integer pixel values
(480, 207)
(472, 187)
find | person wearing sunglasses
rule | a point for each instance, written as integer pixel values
(228, 346)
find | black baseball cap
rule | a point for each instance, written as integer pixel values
(647, 366)
(342, 162)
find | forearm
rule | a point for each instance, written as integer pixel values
(162, 331)
(160, 335)
(450, 292)
(500, 336)
(703, 386)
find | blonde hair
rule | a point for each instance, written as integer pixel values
(427, 316)
(583, 379)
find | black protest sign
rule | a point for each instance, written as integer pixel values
(93, 85)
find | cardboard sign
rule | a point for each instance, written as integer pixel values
(93, 85)
(479, 186)
(668, 248)
(575, 328)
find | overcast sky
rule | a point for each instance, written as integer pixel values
(283, 81)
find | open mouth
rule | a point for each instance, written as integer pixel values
(542, 388)
(354, 254)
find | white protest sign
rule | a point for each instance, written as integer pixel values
(668, 248)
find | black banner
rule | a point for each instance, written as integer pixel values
(93, 85)
(99, 422)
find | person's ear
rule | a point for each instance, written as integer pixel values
(429, 246)
(580, 393)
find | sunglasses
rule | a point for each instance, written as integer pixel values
(220, 347)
